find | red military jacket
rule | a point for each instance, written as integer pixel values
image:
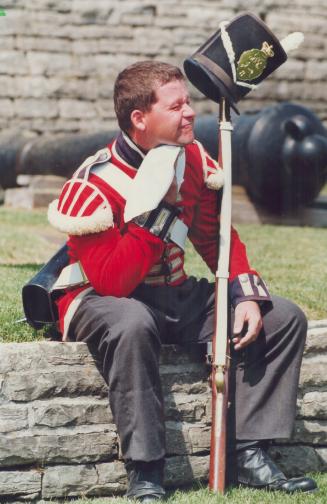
(116, 257)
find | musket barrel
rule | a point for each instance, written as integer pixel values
(220, 346)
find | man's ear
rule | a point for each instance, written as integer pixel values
(138, 120)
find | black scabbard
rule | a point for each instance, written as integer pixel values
(38, 296)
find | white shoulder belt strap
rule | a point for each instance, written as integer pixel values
(73, 275)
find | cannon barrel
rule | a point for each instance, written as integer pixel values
(57, 155)
(279, 154)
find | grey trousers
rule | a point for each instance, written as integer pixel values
(127, 334)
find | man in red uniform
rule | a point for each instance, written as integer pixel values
(127, 211)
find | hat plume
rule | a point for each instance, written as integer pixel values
(292, 41)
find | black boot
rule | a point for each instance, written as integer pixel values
(145, 480)
(256, 469)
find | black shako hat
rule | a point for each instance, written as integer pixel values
(236, 58)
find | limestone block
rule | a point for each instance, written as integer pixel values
(6, 108)
(178, 354)
(32, 107)
(69, 411)
(7, 42)
(316, 324)
(29, 198)
(199, 438)
(68, 481)
(64, 381)
(315, 70)
(47, 181)
(36, 43)
(322, 456)
(43, 354)
(185, 470)
(40, 63)
(112, 478)
(13, 417)
(314, 405)
(41, 29)
(138, 19)
(37, 86)
(63, 6)
(286, 20)
(186, 439)
(177, 439)
(317, 338)
(313, 371)
(104, 89)
(82, 444)
(191, 378)
(20, 484)
(90, 480)
(79, 89)
(105, 108)
(292, 70)
(13, 62)
(295, 460)
(76, 108)
(174, 21)
(315, 91)
(89, 46)
(85, 65)
(100, 7)
(8, 86)
(186, 407)
(310, 431)
(91, 31)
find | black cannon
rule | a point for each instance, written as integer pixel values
(279, 155)
(56, 155)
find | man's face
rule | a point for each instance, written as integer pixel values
(170, 120)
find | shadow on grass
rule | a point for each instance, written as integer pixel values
(33, 266)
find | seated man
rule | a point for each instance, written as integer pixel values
(126, 234)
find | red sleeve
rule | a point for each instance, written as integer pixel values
(116, 263)
(238, 262)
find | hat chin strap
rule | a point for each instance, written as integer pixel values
(228, 46)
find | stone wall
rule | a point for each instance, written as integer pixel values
(57, 437)
(58, 59)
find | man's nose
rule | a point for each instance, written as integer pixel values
(188, 111)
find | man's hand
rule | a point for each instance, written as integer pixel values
(246, 312)
(171, 195)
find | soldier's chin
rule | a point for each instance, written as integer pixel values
(186, 137)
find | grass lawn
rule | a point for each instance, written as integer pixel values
(232, 496)
(292, 260)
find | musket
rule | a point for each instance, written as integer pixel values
(220, 344)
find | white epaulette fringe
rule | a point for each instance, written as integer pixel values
(213, 176)
(100, 220)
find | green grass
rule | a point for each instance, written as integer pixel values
(232, 496)
(292, 260)
(323, 191)
(26, 242)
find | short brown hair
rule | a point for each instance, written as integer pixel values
(135, 88)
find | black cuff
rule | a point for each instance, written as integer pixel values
(248, 287)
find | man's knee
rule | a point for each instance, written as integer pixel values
(286, 315)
